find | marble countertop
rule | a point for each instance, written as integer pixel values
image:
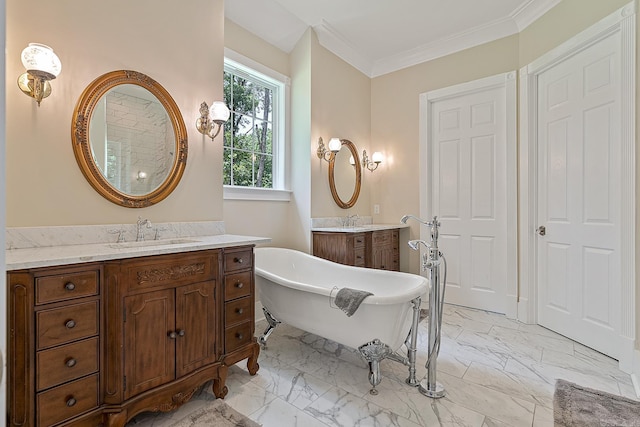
(17, 259)
(360, 228)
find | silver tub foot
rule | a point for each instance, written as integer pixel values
(373, 352)
(273, 322)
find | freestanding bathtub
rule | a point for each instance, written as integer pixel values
(299, 289)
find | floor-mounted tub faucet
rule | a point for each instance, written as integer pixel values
(142, 223)
(431, 262)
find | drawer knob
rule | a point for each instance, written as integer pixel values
(238, 260)
(239, 310)
(172, 335)
(70, 286)
(181, 332)
(239, 336)
(70, 324)
(71, 362)
(71, 401)
(239, 285)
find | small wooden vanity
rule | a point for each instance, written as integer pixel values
(377, 248)
(96, 343)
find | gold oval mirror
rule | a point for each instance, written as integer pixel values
(129, 139)
(347, 176)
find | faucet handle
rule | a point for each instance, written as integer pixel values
(158, 230)
(120, 234)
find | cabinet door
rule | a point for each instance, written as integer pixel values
(195, 326)
(149, 353)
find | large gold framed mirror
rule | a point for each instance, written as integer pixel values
(129, 139)
(345, 175)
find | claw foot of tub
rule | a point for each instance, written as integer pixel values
(373, 392)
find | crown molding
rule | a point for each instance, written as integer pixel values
(332, 40)
(530, 11)
(517, 21)
(473, 37)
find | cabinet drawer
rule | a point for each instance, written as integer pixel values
(67, 400)
(382, 237)
(66, 363)
(238, 260)
(359, 240)
(66, 324)
(66, 286)
(237, 336)
(237, 285)
(237, 311)
(170, 270)
(359, 259)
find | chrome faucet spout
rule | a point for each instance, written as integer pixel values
(415, 244)
(405, 218)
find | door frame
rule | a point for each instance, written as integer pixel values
(508, 82)
(622, 21)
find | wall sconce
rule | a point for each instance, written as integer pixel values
(211, 119)
(334, 147)
(42, 65)
(375, 161)
(141, 176)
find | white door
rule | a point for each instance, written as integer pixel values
(467, 140)
(579, 164)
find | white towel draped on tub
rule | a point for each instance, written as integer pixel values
(348, 299)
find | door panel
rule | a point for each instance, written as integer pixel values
(195, 324)
(469, 194)
(149, 355)
(579, 158)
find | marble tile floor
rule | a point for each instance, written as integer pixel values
(496, 372)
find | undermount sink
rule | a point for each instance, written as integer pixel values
(146, 243)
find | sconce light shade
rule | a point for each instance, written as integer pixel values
(212, 119)
(377, 157)
(41, 61)
(335, 144)
(42, 65)
(219, 112)
(142, 175)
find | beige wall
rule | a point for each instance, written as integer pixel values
(341, 107)
(44, 184)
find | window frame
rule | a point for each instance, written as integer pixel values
(256, 72)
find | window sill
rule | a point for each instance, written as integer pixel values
(253, 193)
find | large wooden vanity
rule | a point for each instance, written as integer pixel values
(96, 343)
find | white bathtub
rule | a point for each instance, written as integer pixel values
(296, 288)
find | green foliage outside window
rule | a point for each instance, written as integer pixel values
(248, 134)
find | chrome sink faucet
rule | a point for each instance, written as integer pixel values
(142, 223)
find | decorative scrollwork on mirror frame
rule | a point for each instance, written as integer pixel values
(80, 130)
(358, 181)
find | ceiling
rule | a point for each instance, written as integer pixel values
(381, 36)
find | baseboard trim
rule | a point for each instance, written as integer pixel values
(636, 372)
(258, 315)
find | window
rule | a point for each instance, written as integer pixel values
(254, 135)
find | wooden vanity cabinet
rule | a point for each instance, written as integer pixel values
(372, 249)
(96, 344)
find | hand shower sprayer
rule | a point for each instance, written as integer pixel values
(431, 262)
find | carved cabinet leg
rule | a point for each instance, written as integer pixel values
(220, 390)
(252, 361)
(117, 419)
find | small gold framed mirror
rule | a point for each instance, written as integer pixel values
(345, 175)
(129, 139)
